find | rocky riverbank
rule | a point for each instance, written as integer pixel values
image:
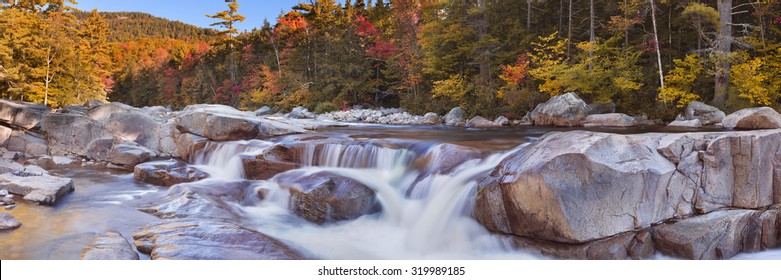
(576, 194)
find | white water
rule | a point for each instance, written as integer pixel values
(433, 223)
(223, 160)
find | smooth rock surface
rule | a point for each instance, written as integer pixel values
(691, 123)
(8, 222)
(325, 197)
(609, 120)
(753, 118)
(717, 235)
(42, 189)
(273, 161)
(167, 173)
(480, 122)
(21, 114)
(562, 110)
(706, 114)
(109, 246)
(455, 117)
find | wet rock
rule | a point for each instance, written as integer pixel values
(110, 246)
(28, 144)
(609, 120)
(563, 110)
(72, 133)
(717, 235)
(129, 154)
(431, 118)
(187, 145)
(455, 117)
(277, 127)
(692, 123)
(10, 207)
(753, 118)
(273, 161)
(706, 114)
(3, 192)
(42, 189)
(265, 110)
(601, 108)
(8, 201)
(203, 199)
(613, 184)
(324, 197)
(167, 173)
(620, 247)
(21, 114)
(480, 122)
(502, 121)
(443, 158)
(208, 240)
(300, 112)
(217, 126)
(8, 222)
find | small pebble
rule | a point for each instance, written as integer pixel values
(8, 196)
(10, 207)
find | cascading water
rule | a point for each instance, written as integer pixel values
(434, 223)
(223, 160)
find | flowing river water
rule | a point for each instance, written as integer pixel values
(425, 214)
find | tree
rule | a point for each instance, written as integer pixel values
(228, 19)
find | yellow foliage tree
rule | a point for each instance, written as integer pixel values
(680, 81)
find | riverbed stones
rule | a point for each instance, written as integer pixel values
(609, 120)
(265, 110)
(43, 189)
(695, 123)
(325, 197)
(563, 110)
(167, 173)
(753, 118)
(300, 112)
(109, 246)
(273, 161)
(455, 117)
(8, 222)
(431, 118)
(208, 239)
(706, 114)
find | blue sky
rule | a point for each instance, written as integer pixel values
(193, 11)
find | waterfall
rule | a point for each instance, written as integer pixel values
(222, 160)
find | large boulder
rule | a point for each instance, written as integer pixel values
(109, 246)
(753, 118)
(265, 110)
(188, 145)
(104, 111)
(136, 126)
(694, 123)
(629, 245)
(706, 114)
(43, 189)
(8, 222)
(167, 173)
(21, 114)
(271, 162)
(129, 154)
(578, 186)
(431, 118)
(455, 117)
(300, 112)
(563, 110)
(481, 122)
(28, 144)
(717, 235)
(72, 133)
(217, 126)
(324, 197)
(609, 120)
(198, 239)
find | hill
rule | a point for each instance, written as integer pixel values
(128, 26)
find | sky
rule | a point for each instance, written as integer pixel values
(194, 11)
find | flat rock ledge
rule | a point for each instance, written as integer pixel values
(109, 246)
(43, 189)
(583, 188)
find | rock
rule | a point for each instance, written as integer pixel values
(753, 118)
(609, 120)
(5, 133)
(706, 114)
(563, 110)
(13, 155)
(72, 133)
(93, 103)
(8, 201)
(502, 121)
(300, 112)
(201, 199)
(717, 235)
(3, 193)
(136, 126)
(9, 166)
(129, 154)
(167, 173)
(42, 189)
(27, 144)
(265, 110)
(455, 117)
(270, 127)
(275, 160)
(431, 118)
(601, 108)
(191, 239)
(480, 122)
(105, 111)
(443, 158)
(21, 114)
(630, 245)
(110, 246)
(324, 197)
(612, 184)
(187, 145)
(692, 123)
(31, 170)
(8, 222)
(10, 207)
(219, 125)
(99, 149)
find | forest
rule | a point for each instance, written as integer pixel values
(491, 57)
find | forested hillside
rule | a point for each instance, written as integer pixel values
(492, 57)
(128, 26)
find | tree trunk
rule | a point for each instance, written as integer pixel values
(592, 39)
(482, 31)
(722, 50)
(656, 43)
(528, 14)
(569, 32)
(561, 15)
